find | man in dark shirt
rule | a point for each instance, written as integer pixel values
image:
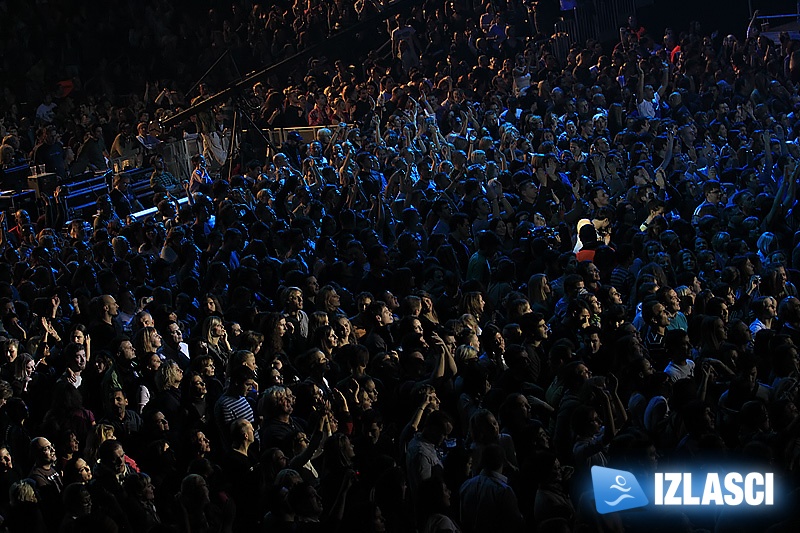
(379, 338)
(45, 474)
(92, 153)
(50, 152)
(656, 319)
(280, 427)
(243, 476)
(104, 328)
(126, 422)
(124, 202)
(460, 239)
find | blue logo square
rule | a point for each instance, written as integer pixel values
(616, 490)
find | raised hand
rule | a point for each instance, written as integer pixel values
(612, 383)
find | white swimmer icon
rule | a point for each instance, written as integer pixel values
(619, 485)
(616, 490)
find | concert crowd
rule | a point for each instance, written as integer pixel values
(467, 261)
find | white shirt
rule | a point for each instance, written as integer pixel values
(45, 112)
(678, 372)
(647, 108)
(756, 326)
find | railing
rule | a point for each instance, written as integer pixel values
(772, 26)
(277, 136)
(597, 19)
(767, 23)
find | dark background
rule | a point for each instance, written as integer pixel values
(727, 16)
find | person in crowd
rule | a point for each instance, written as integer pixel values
(233, 404)
(505, 232)
(487, 500)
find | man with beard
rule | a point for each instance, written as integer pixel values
(48, 479)
(174, 348)
(161, 180)
(75, 357)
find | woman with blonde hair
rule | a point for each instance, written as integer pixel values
(216, 337)
(344, 330)
(147, 341)
(467, 323)
(101, 433)
(539, 294)
(168, 398)
(25, 513)
(465, 354)
(328, 300)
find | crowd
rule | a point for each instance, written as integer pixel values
(496, 266)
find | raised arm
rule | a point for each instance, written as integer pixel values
(664, 80)
(776, 203)
(640, 85)
(751, 27)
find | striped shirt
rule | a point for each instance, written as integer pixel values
(228, 409)
(622, 279)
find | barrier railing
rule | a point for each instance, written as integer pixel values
(597, 19)
(772, 26)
